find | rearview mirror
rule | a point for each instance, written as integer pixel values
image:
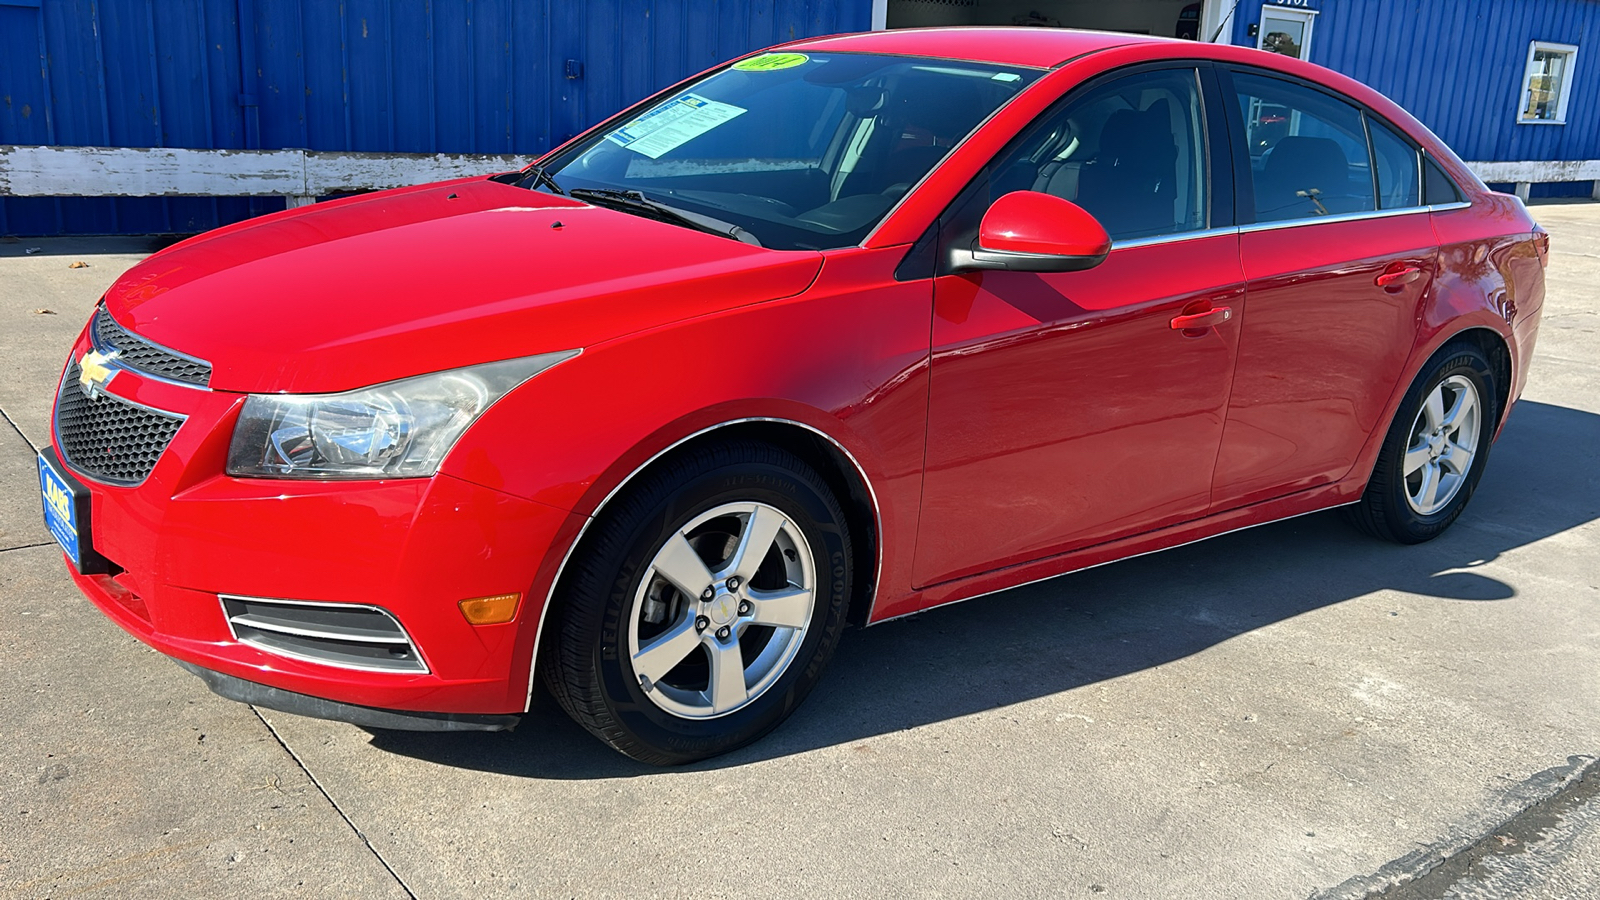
(1029, 231)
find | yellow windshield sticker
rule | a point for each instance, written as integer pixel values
(771, 62)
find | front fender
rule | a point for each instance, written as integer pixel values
(848, 359)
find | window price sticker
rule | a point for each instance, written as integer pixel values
(673, 124)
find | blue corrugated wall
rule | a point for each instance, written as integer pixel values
(1457, 65)
(459, 76)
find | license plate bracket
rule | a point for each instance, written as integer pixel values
(67, 513)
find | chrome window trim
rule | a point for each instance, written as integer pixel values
(94, 341)
(550, 596)
(1329, 220)
(1175, 237)
(1134, 243)
(426, 669)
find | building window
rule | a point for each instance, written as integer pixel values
(1286, 31)
(1547, 83)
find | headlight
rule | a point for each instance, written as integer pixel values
(402, 429)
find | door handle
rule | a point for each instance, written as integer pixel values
(1396, 276)
(1198, 321)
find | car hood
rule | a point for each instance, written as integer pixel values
(384, 286)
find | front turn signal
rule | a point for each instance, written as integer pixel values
(495, 610)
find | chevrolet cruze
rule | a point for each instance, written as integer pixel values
(836, 332)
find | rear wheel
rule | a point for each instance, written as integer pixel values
(1435, 451)
(703, 608)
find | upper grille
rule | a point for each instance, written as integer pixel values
(107, 438)
(137, 353)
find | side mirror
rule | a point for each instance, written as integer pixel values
(1029, 231)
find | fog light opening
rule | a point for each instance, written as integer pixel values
(495, 610)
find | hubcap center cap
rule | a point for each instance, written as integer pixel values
(723, 608)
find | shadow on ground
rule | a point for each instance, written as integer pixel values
(1098, 624)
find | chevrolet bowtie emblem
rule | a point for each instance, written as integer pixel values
(95, 372)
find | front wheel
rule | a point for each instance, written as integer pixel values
(703, 608)
(1435, 451)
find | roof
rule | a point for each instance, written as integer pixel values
(1037, 47)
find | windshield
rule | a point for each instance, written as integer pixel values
(804, 151)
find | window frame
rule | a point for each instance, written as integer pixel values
(1570, 51)
(1219, 181)
(1304, 14)
(1244, 184)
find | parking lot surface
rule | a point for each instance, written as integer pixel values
(1292, 711)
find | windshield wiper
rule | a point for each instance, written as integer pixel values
(637, 203)
(540, 176)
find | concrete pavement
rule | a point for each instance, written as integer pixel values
(1293, 711)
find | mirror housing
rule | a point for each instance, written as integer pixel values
(1029, 231)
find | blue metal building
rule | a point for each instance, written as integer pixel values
(417, 76)
(1510, 81)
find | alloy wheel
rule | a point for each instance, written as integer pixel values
(1444, 440)
(722, 611)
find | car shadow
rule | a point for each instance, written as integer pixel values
(1101, 623)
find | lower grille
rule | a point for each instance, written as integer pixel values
(108, 438)
(349, 635)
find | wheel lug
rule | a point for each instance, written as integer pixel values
(701, 623)
(733, 584)
(744, 607)
(708, 594)
(723, 632)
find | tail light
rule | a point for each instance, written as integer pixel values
(1541, 245)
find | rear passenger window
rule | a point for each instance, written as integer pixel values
(1437, 186)
(1308, 151)
(1131, 152)
(1399, 186)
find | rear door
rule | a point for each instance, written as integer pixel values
(1065, 409)
(1338, 254)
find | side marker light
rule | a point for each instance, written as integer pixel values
(495, 610)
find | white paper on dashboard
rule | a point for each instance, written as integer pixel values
(673, 125)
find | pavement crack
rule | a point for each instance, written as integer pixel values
(4, 415)
(26, 547)
(335, 804)
(1436, 869)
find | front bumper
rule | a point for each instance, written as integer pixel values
(365, 716)
(188, 534)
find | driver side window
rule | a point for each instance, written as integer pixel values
(1131, 152)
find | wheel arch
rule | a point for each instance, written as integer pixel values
(1498, 351)
(838, 467)
(1487, 339)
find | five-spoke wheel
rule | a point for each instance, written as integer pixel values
(1444, 441)
(1435, 450)
(704, 605)
(724, 610)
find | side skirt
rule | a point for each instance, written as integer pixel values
(1311, 500)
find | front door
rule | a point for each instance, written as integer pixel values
(1065, 409)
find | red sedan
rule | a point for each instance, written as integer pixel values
(837, 332)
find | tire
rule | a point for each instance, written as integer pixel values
(664, 602)
(1435, 451)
